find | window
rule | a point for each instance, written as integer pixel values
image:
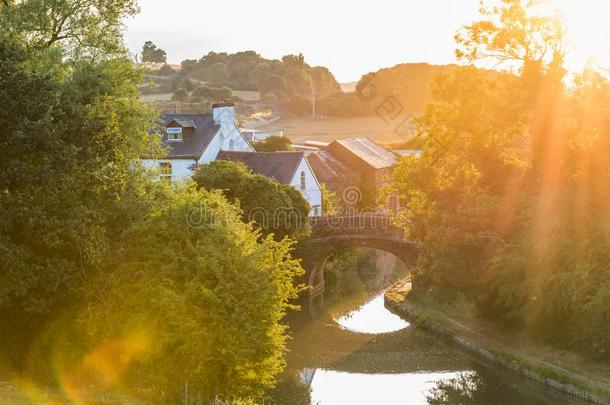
(231, 144)
(303, 183)
(174, 137)
(174, 134)
(316, 210)
(165, 171)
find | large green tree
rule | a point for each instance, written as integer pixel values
(203, 294)
(70, 134)
(82, 224)
(277, 209)
(150, 53)
(509, 198)
(80, 28)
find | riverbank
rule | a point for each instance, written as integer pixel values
(455, 320)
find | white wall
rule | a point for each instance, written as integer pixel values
(180, 167)
(312, 192)
(227, 138)
(222, 141)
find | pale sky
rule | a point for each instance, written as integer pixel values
(349, 37)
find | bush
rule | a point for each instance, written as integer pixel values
(166, 70)
(174, 296)
(274, 144)
(181, 95)
(277, 209)
(212, 94)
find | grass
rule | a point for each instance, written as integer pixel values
(329, 129)
(553, 373)
(156, 97)
(247, 95)
(457, 315)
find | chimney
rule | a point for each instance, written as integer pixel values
(224, 113)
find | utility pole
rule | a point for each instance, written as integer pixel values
(313, 100)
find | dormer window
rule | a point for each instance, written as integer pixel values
(174, 134)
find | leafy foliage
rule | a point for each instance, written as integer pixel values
(108, 278)
(330, 201)
(152, 54)
(277, 209)
(72, 135)
(273, 144)
(509, 197)
(181, 94)
(85, 28)
(208, 293)
(211, 94)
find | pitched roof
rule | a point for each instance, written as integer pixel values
(330, 171)
(184, 123)
(193, 143)
(279, 166)
(370, 152)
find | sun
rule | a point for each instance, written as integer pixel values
(587, 24)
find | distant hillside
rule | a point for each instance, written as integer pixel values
(409, 83)
(241, 76)
(288, 84)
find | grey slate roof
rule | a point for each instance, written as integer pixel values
(370, 152)
(185, 123)
(279, 166)
(194, 142)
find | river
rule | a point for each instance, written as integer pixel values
(352, 350)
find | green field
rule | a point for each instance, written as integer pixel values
(244, 95)
(156, 97)
(306, 129)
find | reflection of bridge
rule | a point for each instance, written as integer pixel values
(355, 230)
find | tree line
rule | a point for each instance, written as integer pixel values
(510, 198)
(292, 84)
(111, 281)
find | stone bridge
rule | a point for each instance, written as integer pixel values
(329, 233)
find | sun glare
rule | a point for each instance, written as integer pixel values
(587, 24)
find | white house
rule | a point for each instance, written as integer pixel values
(286, 168)
(192, 140)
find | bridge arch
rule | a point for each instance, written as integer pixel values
(331, 233)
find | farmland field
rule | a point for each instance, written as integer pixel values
(156, 97)
(247, 95)
(244, 95)
(329, 129)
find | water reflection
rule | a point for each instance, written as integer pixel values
(372, 317)
(345, 355)
(339, 387)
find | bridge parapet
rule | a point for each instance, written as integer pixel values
(354, 224)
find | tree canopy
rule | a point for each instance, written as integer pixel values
(72, 134)
(273, 143)
(81, 28)
(509, 198)
(180, 284)
(100, 263)
(152, 54)
(277, 209)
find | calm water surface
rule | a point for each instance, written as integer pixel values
(364, 354)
